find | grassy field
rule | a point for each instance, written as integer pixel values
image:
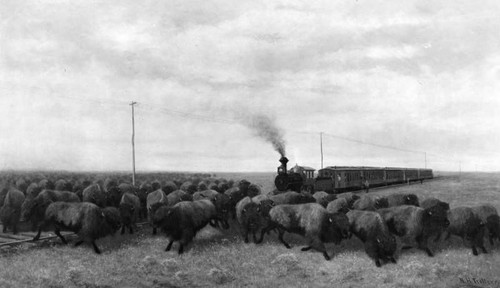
(222, 259)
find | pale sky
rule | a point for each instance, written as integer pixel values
(419, 76)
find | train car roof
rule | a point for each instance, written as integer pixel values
(303, 167)
(369, 168)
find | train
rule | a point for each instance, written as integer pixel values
(337, 179)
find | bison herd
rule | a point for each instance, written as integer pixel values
(181, 208)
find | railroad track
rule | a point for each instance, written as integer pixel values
(9, 239)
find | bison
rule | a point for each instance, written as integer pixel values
(467, 225)
(371, 229)
(87, 220)
(10, 212)
(415, 224)
(34, 209)
(310, 220)
(129, 211)
(402, 199)
(155, 200)
(489, 215)
(182, 221)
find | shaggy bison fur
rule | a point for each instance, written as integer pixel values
(415, 224)
(368, 203)
(34, 209)
(86, 219)
(292, 197)
(489, 215)
(350, 197)
(222, 204)
(402, 199)
(339, 205)
(155, 200)
(324, 198)
(94, 194)
(10, 212)
(182, 221)
(129, 208)
(467, 225)
(178, 196)
(371, 229)
(249, 217)
(431, 201)
(310, 220)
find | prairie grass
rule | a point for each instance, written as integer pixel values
(220, 258)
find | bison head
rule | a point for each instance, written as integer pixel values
(381, 202)
(411, 199)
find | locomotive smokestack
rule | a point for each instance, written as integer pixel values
(283, 161)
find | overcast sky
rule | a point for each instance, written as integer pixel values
(418, 76)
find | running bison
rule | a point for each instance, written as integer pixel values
(87, 220)
(415, 224)
(310, 220)
(371, 229)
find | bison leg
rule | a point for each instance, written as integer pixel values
(38, 234)
(254, 238)
(280, 237)
(484, 249)
(4, 230)
(474, 250)
(245, 235)
(58, 233)
(393, 260)
(377, 262)
(181, 248)
(422, 245)
(130, 229)
(78, 243)
(307, 248)
(96, 249)
(123, 229)
(154, 230)
(169, 246)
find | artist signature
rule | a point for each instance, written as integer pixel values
(476, 282)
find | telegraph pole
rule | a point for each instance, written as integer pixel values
(321, 147)
(133, 143)
(425, 156)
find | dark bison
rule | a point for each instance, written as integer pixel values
(178, 196)
(310, 220)
(94, 194)
(86, 219)
(431, 201)
(402, 199)
(489, 215)
(10, 212)
(370, 228)
(182, 221)
(33, 210)
(222, 205)
(249, 218)
(129, 211)
(368, 203)
(292, 197)
(467, 225)
(155, 200)
(350, 197)
(339, 205)
(415, 224)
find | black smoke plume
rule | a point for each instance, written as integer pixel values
(265, 127)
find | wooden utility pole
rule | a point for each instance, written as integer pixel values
(321, 147)
(133, 143)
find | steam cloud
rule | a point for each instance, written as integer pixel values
(265, 128)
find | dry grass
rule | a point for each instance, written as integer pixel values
(222, 259)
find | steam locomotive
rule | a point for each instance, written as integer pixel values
(336, 179)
